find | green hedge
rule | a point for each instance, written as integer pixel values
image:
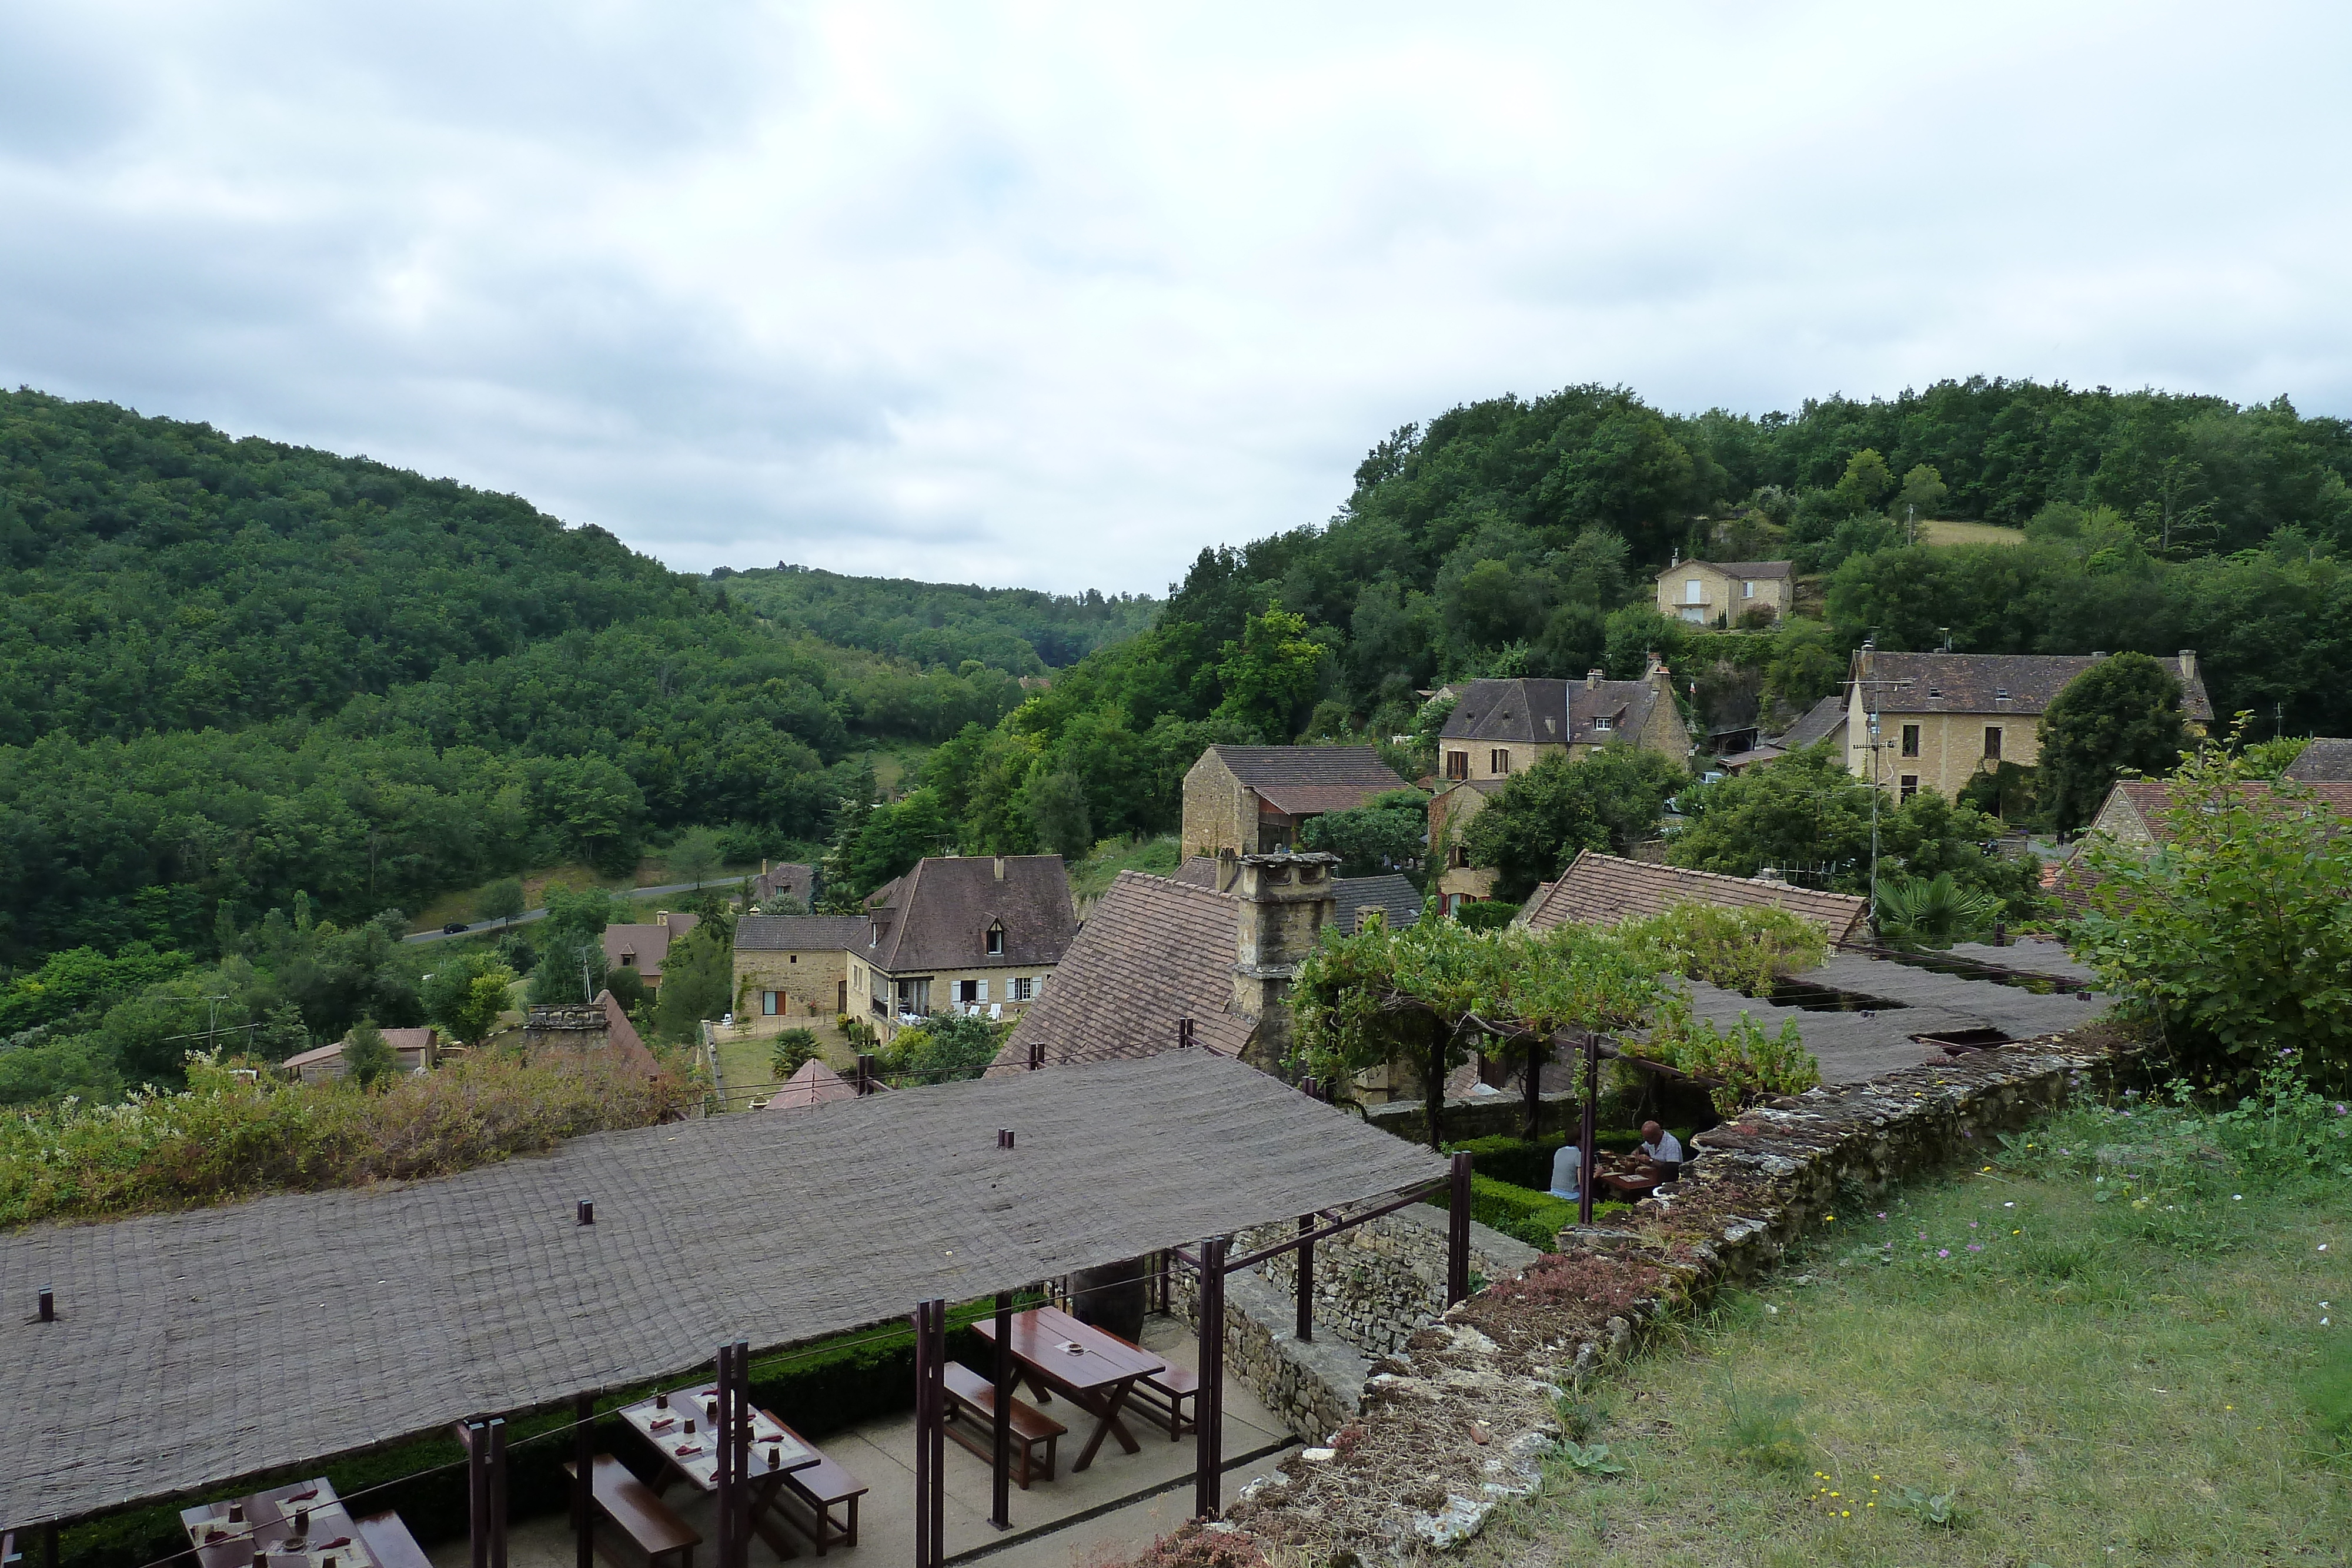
(817, 1389)
(1533, 1216)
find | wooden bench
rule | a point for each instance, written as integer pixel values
(1162, 1395)
(822, 1488)
(663, 1539)
(390, 1543)
(973, 1397)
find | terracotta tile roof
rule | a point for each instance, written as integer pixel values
(813, 1085)
(1822, 720)
(1197, 870)
(1303, 781)
(2147, 799)
(937, 916)
(2326, 760)
(648, 943)
(1600, 890)
(1974, 682)
(801, 933)
(1154, 950)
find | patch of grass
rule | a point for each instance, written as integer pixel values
(1092, 877)
(2105, 1348)
(1952, 531)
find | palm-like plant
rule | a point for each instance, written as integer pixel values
(1932, 912)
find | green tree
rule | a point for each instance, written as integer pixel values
(1866, 482)
(368, 1057)
(945, 1048)
(1269, 677)
(1609, 801)
(1387, 833)
(1061, 814)
(2123, 713)
(1922, 495)
(698, 981)
(794, 1048)
(573, 937)
(628, 988)
(693, 856)
(465, 995)
(502, 900)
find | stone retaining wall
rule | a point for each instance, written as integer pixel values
(1375, 1286)
(1461, 1419)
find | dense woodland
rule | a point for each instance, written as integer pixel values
(261, 695)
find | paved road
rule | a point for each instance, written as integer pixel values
(528, 915)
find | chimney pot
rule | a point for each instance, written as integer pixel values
(2188, 663)
(48, 1305)
(1592, 679)
(587, 1211)
(1000, 868)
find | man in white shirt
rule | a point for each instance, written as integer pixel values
(1567, 1171)
(1662, 1149)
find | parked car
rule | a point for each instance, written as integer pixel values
(454, 928)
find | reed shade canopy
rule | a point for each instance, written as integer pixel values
(193, 1349)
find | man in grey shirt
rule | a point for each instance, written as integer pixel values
(1567, 1171)
(1663, 1150)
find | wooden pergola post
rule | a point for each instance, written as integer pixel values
(930, 1433)
(497, 1465)
(1209, 1430)
(722, 1440)
(1307, 1278)
(1001, 1503)
(583, 1465)
(477, 1491)
(1589, 1131)
(1457, 1234)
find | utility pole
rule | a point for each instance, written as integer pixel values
(1911, 521)
(1877, 752)
(212, 1016)
(585, 995)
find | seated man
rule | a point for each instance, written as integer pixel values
(1567, 1171)
(1661, 1151)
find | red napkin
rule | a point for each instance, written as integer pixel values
(664, 1421)
(685, 1448)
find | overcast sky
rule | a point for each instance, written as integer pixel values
(1028, 294)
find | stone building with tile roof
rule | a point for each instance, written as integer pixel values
(642, 948)
(416, 1049)
(793, 966)
(1253, 800)
(795, 880)
(1392, 893)
(1158, 951)
(1602, 889)
(977, 933)
(2133, 817)
(1719, 593)
(1946, 718)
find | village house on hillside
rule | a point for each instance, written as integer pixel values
(1253, 800)
(2325, 760)
(795, 880)
(1162, 962)
(416, 1049)
(1498, 728)
(642, 948)
(1946, 718)
(1713, 593)
(1602, 889)
(2132, 817)
(976, 934)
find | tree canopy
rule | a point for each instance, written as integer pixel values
(1610, 800)
(2122, 714)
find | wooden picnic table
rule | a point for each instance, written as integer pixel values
(304, 1525)
(1094, 1371)
(693, 1456)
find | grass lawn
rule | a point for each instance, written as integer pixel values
(1092, 877)
(1951, 531)
(745, 1059)
(2108, 1349)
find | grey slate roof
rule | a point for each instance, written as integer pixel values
(785, 879)
(1391, 892)
(1822, 720)
(1973, 683)
(800, 933)
(2326, 760)
(937, 915)
(1301, 781)
(193, 1350)
(1552, 712)
(1154, 950)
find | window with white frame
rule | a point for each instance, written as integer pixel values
(1020, 988)
(996, 941)
(768, 1004)
(970, 991)
(1747, 589)
(1604, 722)
(1694, 590)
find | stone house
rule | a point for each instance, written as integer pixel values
(1719, 593)
(794, 966)
(1162, 961)
(416, 1048)
(785, 879)
(1500, 728)
(642, 948)
(2325, 760)
(1944, 718)
(2131, 817)
(1253, 800)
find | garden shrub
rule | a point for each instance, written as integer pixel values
(1529, 1214)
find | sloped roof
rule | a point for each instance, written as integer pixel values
(1391, 892)
(800, 933)
(1822, 720)
(1304, 780)
(649, 942)
(196, 1349)
(937, 915)
(1550, 711)
(1602, 889)
(1199, 870)
(1735, 568)
(2149, 798)
(2325, 760)
(813, 1085)
(1155, 950)
(786, 879)
(1973, 683)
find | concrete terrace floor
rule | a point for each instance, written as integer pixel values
(1121, 1504)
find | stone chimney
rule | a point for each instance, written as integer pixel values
(1592, 679)
(1283, 903)
(661, 917)
(1000, 868)
(2188, 666)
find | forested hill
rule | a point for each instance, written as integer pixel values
(1522, 536)
(238, 670)
(1017, 629)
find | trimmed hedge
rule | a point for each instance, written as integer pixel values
(817, 1389)
(1527, 1162)
(1533, 1216)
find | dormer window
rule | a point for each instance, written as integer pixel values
(996, 941)
(2001, 694)
(1604, 723)
(1936, 691)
